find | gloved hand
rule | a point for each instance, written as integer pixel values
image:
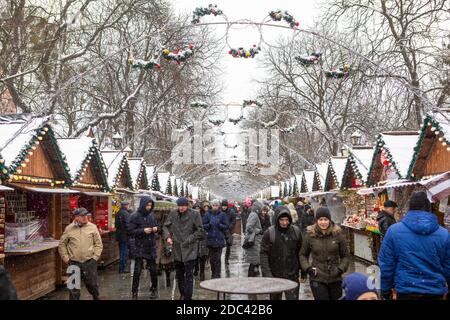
(386, 295)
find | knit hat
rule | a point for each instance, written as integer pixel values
(355, 285)
(215, 202)
(182, 202)
(323, 213)
(80, 212)
(224, 203)
(390, 204)
(419, 201)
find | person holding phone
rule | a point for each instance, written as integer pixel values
(143, 227)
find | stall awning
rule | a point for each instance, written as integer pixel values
(126, 191)
(438, 187)
(4, 188)
(48, 190)
(97, 194)
(393, 184)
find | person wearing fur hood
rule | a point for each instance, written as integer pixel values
(325, 242)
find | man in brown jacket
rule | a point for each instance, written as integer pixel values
(81, 245)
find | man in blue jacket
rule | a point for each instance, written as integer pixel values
(216, 224)
(415, 255)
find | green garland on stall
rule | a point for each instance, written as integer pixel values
(380, 143)
(428, 121)
(155, 182)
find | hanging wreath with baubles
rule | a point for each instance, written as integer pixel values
(243, 53)
(237, 120)
(178, 55)
(144, 64)
(340, 73)
(202, 11)
(284, 15)
(199, 104)
(313, 58)
(251, 103)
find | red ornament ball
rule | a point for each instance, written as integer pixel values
(386, 163)
(297, 23)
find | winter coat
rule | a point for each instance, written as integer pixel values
(7, 289)
(202, 244)
(385, 220)
(415, 255)
(281, 259)
(307, 220)
(231, 216)
(300, 213)
(161, 259)
(330, 255)
(122, 219)
(131, 240)
(294, 215)
(265, 222)
(80, 244)
(185, 229)
(253, 227)
(144, 244)
(215, 224)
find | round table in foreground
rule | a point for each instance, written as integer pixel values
(251, 286)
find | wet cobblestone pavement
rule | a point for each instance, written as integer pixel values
(115, 286)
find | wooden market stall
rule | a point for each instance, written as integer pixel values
(432, 157)
(38, 172)
(138, 172)
(121, 188)
(310, 181)
(386, 178)
(89, 176)
(360, 228)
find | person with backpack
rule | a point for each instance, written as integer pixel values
(280, 251)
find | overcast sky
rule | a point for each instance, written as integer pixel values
(239, 74)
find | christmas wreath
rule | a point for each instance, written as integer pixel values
(314, 58)
(243, 53)
(279, 15)
(202, 11)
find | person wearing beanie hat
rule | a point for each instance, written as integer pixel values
(181, 202)
(386, 217)
(327, 246)
(122, 218)
(323, 213)
(81, 245)
(230, 212)
(356, 287)
(183, 230)
(216, 224)
(215, 202)
(414, 258)
(202, 245)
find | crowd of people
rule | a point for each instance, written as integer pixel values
(280, 240)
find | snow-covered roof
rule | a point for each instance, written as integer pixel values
(338, 164)
(363, 160)
(298, 177)
(15, 134)
(135, 165)
(150, 169)
(309, 179)
(112, 159)
(401, 148)
(76, 150)
(163, 178)
(443, 118)
(322, 169)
